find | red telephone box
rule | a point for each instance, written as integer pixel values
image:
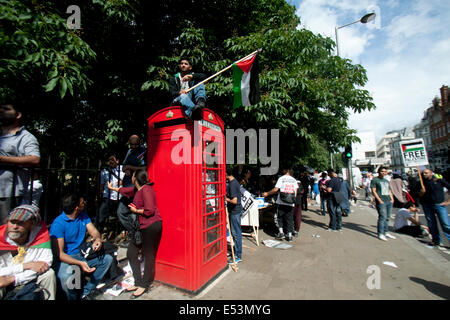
(186, 161)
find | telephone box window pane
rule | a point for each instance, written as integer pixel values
(210, 154)
(212, 190)
(212, 251)
(213, 204)
(212, 235)
(211, 176)
(212, 220)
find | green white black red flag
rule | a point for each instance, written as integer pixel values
(246, 82)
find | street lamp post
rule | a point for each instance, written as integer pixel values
(365, 19)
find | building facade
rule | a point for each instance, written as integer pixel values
(383, 149)
(440, 131)
(395, 149)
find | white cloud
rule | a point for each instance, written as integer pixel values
(322, 16)
(406, 59)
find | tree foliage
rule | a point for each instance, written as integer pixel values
(98, 85)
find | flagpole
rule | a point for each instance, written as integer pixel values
(223, 70)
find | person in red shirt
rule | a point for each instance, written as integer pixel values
(150, 226)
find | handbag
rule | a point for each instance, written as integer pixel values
(29, 291)
(338, 197)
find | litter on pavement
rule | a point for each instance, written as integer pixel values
(389, 263)
(276, 244)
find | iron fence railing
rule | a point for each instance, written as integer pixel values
(59, 177)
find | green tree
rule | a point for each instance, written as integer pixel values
(306, 91)
(95, 86)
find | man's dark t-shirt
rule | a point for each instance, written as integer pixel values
(334, 184)
(233, 191)
(434, 191)
(137, 158)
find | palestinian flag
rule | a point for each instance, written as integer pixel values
(42, 239)
(410, 147)
(246, 82)
(141, 158)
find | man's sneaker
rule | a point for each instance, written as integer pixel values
(196, 113)
(339, 230)
(280, 236)
(236, 260)
(390, 236)
(295, 234)
(201, 103)
(329, 230)
(289, 239)
(382, 237)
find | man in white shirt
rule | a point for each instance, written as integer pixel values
(25, 252)
(284, 217)
(407, 216)
(110, 201)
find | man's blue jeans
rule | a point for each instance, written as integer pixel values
(335, 214)
(431, 210)
(187, 101)
(67, 274)
(384, 214)
(127, 218)
(236, 231)
(323, 205)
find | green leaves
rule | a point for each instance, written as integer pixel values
(38, 48)
(51, 84)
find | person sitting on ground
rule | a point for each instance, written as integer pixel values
(25, 253)
(68, 232)
(407, 216)
(194, 100)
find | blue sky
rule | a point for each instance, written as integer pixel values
(405, 50)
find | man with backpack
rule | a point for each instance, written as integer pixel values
(284, 218)
(334, 198)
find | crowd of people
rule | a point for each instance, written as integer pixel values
(383, 190)
(41, 263)
(70, 259)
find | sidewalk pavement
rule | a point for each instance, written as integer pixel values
(332, 266)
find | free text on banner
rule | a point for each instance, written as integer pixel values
(414, 153)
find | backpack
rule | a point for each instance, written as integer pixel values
(287, 197)
(29, 291)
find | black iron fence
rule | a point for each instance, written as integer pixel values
(60, 177)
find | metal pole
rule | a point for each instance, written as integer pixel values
(350, 173)
(337, 41)
(223, 70)
(331, 160)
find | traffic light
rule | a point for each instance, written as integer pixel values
(348, 152)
